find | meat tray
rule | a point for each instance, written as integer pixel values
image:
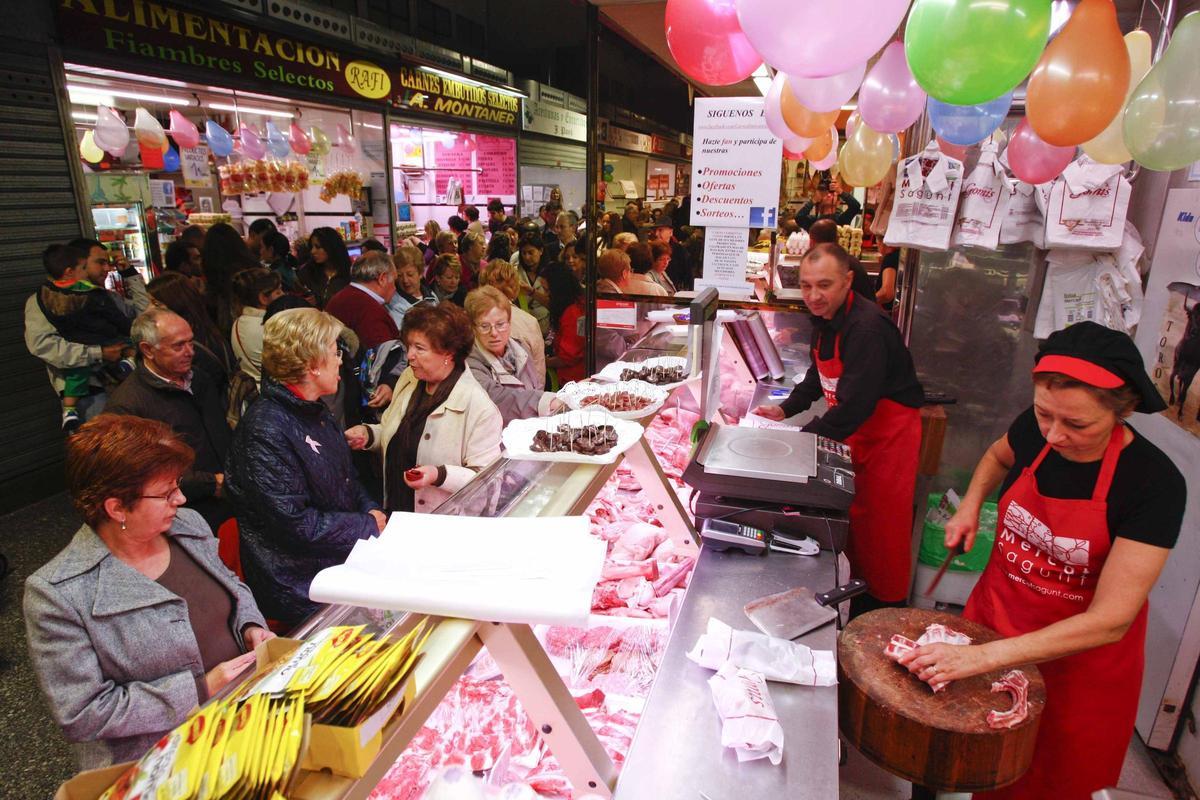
(574, 394)
(612, 372)
(518, 436)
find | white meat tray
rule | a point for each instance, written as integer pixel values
(573, 394)
(612, 372)
(518, 435)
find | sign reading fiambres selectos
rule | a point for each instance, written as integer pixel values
(736, 164)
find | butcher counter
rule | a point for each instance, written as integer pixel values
(677, 751)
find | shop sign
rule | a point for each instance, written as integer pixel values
(736, 166)
(669, 147)
(430, 93)
(548, 95)
(193, 162)
(619, 315)
(539, 117)
(627, 139)
(157, 33)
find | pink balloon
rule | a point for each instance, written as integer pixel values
(826, 94)
(852, 123)
(1033, 160)
(345, 139)
(707, 42)
(797, 144)
(252, 144)
(828, 161)
(818, 38)
(958, 151)
(792, 155)
(183, 130)
(890, 99)
(111, 133)
(299, 140)
(772, 112)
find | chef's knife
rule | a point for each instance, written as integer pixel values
(955, 552)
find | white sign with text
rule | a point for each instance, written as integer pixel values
(736, 164)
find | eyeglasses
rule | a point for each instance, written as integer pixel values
(175, 490)
(487, 327)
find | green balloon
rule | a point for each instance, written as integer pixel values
(1162, 118)
(968, 52)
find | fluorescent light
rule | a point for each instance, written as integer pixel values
(369, 125)
(266, 112)
(471, 82)
(86, 116)
(103, 91)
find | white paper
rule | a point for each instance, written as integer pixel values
(749, 724)
(530, 570)
(736, 164)
(752, 420)
(777, 659)
(725, 257)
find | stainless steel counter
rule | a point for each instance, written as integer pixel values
(677, 753)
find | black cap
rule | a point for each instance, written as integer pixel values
(1099, 356)
(665, 221)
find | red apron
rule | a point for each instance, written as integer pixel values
(1044, 568)
(884, 451)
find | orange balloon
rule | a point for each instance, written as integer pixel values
(821, 146)
(1079, 85)
(810, 124)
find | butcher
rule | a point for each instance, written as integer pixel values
(1089, 510)
(865, 373)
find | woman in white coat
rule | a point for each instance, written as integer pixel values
(441, 427)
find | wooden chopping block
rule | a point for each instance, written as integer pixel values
(941, 741)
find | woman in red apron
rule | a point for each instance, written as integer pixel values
(1073, 562)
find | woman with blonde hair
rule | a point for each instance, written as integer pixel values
(525, 328)
(300, 507)
(501, 365)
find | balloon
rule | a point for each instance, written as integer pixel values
(1034, 161)
(852, 122)
(964, 125)
(1162, 120)
(89, 150)
(792, 154)
(823, 145)
(771, 108)
(110, 132)
(1080, 83)
(299, 140)
(1109, 146)
(171, 160)
(827, 94)
(219, 140)
(147, 130)
(867, 156)
(252, 145)
(320, 142)
(890, 99)
(345, 139)
(183, 130)
(803, 121)
(813, 38)
(967, 52)
(797, 144)
(825, 163)
(707, 42)
(957, 151)
(277, 143)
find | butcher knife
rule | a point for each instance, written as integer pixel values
(954, 553)
(793, 613)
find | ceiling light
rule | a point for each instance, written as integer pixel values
(87, 90)
(266, 112)
(369, 125)
(508, 90)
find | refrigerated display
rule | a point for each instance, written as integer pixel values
(123, 229)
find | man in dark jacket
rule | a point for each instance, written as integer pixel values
(361, 306)
(164, 387)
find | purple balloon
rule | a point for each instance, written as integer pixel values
(1032, 159)
(818, 38)
(826, 94)
(890, 99)
(772, 112)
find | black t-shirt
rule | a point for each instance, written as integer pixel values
(890, 261)
(1147, 496)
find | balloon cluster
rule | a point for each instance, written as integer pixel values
(960, 60)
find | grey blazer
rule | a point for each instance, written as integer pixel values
(113, 650)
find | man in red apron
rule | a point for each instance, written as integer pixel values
(865, 373)
(1084, 495)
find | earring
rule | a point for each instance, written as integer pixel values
(446, 361)
(316, 373)
(122, 523)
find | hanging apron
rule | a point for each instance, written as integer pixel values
(1044, 568)
(884, 451)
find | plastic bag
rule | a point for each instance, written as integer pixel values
(928, 186)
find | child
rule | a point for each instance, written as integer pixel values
(84, 313)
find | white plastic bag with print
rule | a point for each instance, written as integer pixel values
(749, 724)
(983, 205)
(1087, 207)
(1025, 220)
(927, 190)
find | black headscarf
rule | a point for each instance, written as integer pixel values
(401, 453)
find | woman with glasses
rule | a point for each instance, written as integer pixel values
(137, 620)
(502, 366)
(300, 507)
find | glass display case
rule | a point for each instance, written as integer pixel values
(122, 229)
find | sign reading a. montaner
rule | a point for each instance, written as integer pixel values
(736, 164)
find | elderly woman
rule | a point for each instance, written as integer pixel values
(660, 255)
(641, 263)
(525, 328)
(501, 365)
(137, 620)
(471, 249)
(410, 289)
(300, 507)
(613, 272)
(447, 280)
(441, 427)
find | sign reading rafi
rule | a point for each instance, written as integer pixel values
(435, 93)
(160, 33)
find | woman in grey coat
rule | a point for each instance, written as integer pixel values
(501, 366)
(136, 621)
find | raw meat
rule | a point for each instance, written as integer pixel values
(898, 646)
(673, 578)
(934, 634)
(615, 570)
(1015, 683)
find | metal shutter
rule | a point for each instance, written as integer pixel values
(37, 208)
(549, 153)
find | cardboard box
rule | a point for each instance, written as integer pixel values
(91, 784)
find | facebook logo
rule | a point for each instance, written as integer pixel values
(762, 217)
